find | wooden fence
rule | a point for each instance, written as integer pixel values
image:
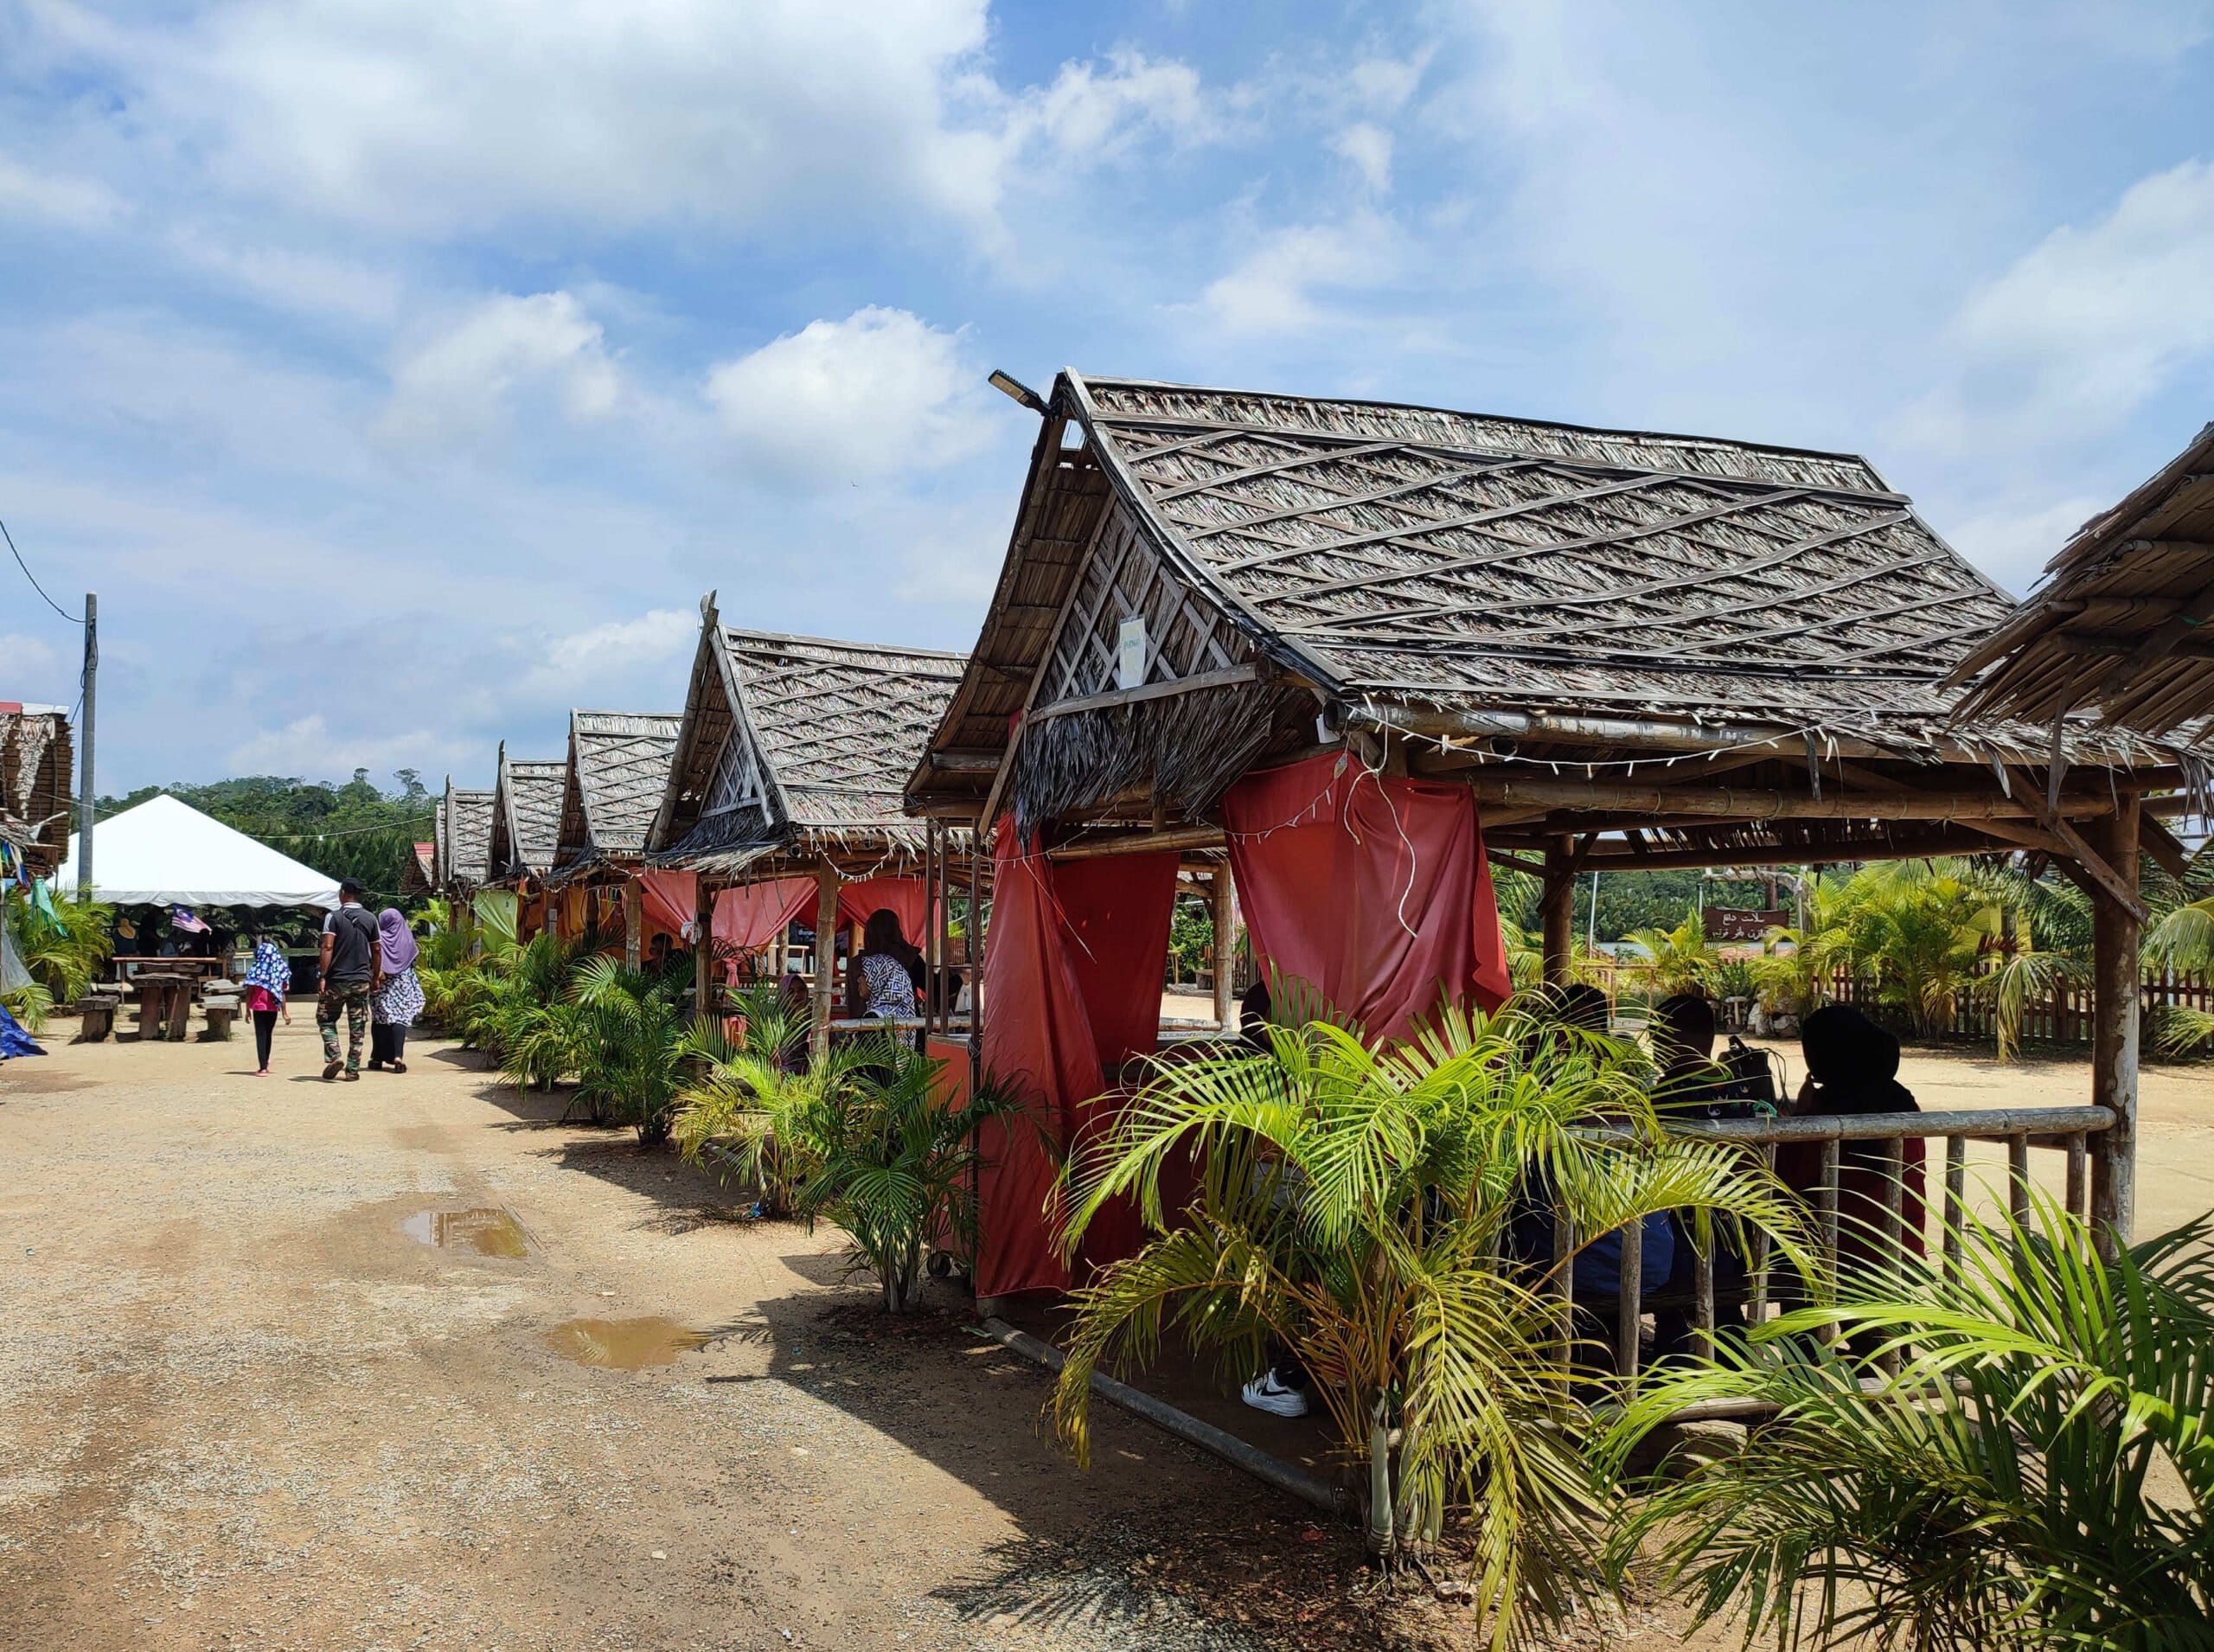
(2060, 1016)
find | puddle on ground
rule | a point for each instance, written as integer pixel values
(488, 1231)
(625, 1344)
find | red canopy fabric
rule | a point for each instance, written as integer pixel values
(752, 915)
(1072, 968)
(907, 897)
(1372, 888)
(671, 899)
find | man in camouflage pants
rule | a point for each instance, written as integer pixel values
(351, 969)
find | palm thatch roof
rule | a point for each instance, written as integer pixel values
(1196, 574)
(2117, 623)
(797, 743)
(526, 815)
(36, 763)
(463, 835)
(419, 869)
(618, 770)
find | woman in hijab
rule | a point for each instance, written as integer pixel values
(393, 1010)
(268, 978)
(882, 979)
(1853, 1068)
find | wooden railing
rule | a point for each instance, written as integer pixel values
(2068, 1129)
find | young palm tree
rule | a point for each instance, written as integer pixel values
(1360, 1207)
(744, 1111)
(1799, 981)
(634, 1037)
(1922, 925)
(64, 955)
(1677, 960)
(895, 1165)
(2040, 1473)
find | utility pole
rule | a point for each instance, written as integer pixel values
(86, 789)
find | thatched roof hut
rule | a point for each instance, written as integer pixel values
(462, 838)
(418, 870)
(1637, 651)
(613, 787)
(1589, 626)
(526, 816)
(36, 767)
(797, 746)
(2117, 626)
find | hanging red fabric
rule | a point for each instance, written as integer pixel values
(752, 915)
(1072, 970)
(670, 900)
(1372, 889)
(908, 899)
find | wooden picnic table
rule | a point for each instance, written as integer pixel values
(164, 1004)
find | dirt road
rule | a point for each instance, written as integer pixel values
(247, 1398)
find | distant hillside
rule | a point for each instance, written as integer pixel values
(353, 830)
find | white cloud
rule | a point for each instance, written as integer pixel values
(619, 649)
(75, 203)
(308, 747)
(34, 668)
(310, 282)
(2085, 328)
(1274, 288)
(2012, 544)
(462, 383)
(424, 117)
(1368, 148)
(879, 393)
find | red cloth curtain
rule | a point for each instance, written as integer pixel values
(1373, 889)
(752, 915)
(669, 900)
(1072, 968)
(907, 897)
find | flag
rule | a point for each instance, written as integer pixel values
(181, 918)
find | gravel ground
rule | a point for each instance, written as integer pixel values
(404, 1364)
(247, 1399)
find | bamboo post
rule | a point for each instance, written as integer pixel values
(1757, 1255)
(1956, 1176)
(1703, 1285)
(2078, 1176)
(826, 958)
(2115, 972)
(1630, 1308)
(1894, 1255)
(634, 927)
(703, 946)
(2017, 1176)
(1826, 1207)
(1556, 912)
(1225, 901)
(1564, 1278)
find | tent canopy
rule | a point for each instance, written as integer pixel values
(164, 852)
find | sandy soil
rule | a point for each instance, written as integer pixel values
(248, 1398)
(245, 1401)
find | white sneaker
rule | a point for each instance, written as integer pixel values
(1265, 1393)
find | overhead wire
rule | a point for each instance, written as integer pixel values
(75, 620)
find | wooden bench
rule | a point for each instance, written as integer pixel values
(96, 1016)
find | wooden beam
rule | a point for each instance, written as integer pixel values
(1758, 804)
(1175, 837)
(2187, 647)
(967, 760)
(1114, 697)
(2109, 878)
(2160, 844)
(1645, 733)
(2117, 990)
(1955, 840)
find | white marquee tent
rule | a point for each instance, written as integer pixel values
(167, 852)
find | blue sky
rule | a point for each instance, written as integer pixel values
(400, 373)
